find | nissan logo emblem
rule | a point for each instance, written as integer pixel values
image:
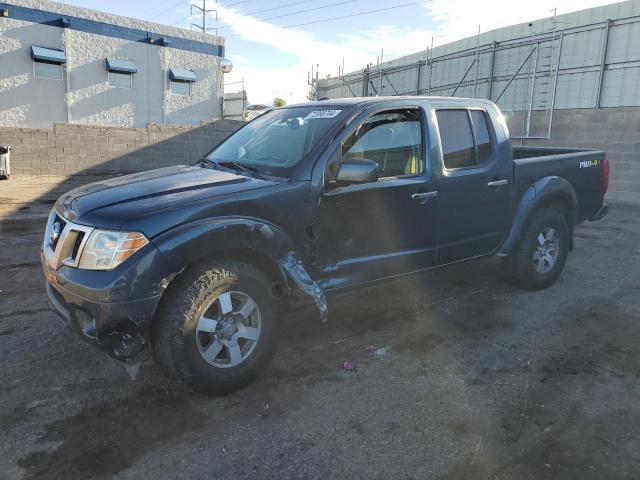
(55, 232)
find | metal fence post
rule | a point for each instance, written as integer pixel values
(344, 93)
(477, 62)
(491, 66)
(555, 86)
(430, 61)
(379, 92)
(603, 61)
(533, 90)
(365, 82)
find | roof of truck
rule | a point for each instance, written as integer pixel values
(334, 102)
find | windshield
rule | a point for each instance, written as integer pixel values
(276, 142)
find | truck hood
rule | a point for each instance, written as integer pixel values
(120, 199)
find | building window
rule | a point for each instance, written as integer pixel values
(120, 80)
(121, 73)
(180, 88)
(47, 62)
(48, 70)
(180, 81)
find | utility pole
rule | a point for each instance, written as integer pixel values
(204, 12)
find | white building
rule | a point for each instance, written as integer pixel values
(63, 64)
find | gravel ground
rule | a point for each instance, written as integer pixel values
(459, 375)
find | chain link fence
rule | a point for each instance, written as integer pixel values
(528, 77)
(518, 78)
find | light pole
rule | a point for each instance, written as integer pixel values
(225, 67)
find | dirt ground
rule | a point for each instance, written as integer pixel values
(459, 376)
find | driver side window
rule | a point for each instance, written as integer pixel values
(392, 139)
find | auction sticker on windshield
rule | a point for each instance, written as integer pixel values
(322, 114)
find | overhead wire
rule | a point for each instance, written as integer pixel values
(330, 19)
(291, 4)
(237, 3)
(298, 2)
(301, 11)
(166, 10)
(341, 17)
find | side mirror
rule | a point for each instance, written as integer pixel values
(357, 171)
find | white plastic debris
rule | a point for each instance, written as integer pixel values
(381, 352)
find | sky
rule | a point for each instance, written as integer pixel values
(274, 43)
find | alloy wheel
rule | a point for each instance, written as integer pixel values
(228, 330)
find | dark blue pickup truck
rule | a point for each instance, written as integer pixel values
(200, 261)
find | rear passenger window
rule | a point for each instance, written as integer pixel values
(484, 149)
(458, 150)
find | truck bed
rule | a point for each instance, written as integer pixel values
(581, 167)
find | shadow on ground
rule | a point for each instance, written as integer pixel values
(106, 437)
(458, 376)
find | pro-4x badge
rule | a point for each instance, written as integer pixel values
(589, 163)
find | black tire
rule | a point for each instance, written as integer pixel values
(173, 336)
(519, 266)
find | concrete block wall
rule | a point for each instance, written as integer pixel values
(69, 149)
(82, 149)
(614, 130)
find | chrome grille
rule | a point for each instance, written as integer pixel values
(64, 241)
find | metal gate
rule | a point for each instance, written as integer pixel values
(234, 104)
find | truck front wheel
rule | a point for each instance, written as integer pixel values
(217, 327)
(542, 252)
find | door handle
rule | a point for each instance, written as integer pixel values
(421, 195)
(497, 183)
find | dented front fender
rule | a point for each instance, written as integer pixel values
(296, 271)
(206, 239)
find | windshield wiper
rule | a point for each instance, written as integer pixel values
(207, 161)
(229, 164)
(237, 166)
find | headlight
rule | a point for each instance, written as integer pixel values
(106, 250)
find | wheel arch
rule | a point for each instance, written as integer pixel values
(548, 192)
(243, 239)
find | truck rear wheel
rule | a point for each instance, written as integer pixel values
(217, 327)
(542, 252)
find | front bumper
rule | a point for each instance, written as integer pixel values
(119, 328)
(600, 214)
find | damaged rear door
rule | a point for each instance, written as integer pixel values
(385, 227)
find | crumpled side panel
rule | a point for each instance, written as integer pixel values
(294, 268)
